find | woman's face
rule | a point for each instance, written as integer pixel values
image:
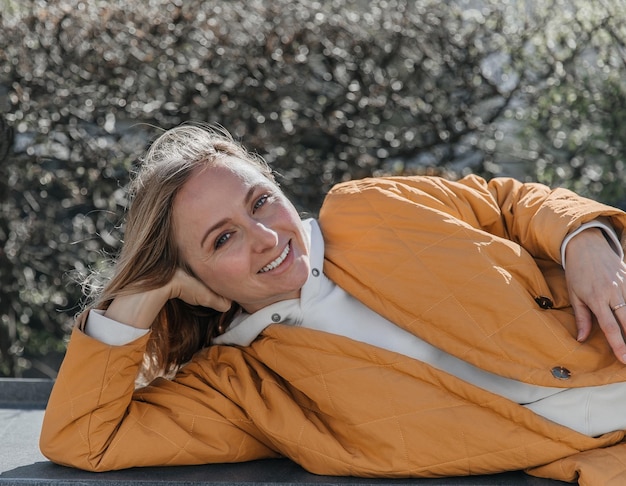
(240, 235)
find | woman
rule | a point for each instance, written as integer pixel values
(421, 327)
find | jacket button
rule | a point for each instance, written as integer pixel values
(276, 318)
(561, 373)
(544, 302)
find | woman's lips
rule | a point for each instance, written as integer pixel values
(275, 263)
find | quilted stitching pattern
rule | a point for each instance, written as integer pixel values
(374, 430)
(94, 420)
(590, 468)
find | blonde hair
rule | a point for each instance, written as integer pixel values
(149, 255)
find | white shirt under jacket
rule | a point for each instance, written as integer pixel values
(326, 307)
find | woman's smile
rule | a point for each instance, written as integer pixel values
(274, 264)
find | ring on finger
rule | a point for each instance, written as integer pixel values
(618, 306)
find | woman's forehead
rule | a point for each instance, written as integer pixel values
(229, 178)
(230, 167)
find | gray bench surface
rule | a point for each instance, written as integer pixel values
(21, 463)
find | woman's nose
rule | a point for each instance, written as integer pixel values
(263, 237)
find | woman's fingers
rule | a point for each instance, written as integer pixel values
(613, 331)
(194, 292)
(584, 320)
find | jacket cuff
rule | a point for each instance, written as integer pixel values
(609, 233)
(109, 331)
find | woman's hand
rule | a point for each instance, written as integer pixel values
(189, 289)
(596, 280)
(140, 310)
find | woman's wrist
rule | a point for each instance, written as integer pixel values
(137, 310)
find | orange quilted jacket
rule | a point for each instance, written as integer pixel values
(472, 267)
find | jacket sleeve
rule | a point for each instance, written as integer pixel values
(539, 218)
(533, 215)
(96, 420)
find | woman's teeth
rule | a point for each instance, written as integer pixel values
(278, 261)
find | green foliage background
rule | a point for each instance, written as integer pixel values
(324, 90)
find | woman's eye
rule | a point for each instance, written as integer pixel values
(261, 201)
(222, 239)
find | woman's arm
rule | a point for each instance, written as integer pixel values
(96, 420)
(539, 218)
(533, 215)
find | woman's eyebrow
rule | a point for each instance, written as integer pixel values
(223, 221)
